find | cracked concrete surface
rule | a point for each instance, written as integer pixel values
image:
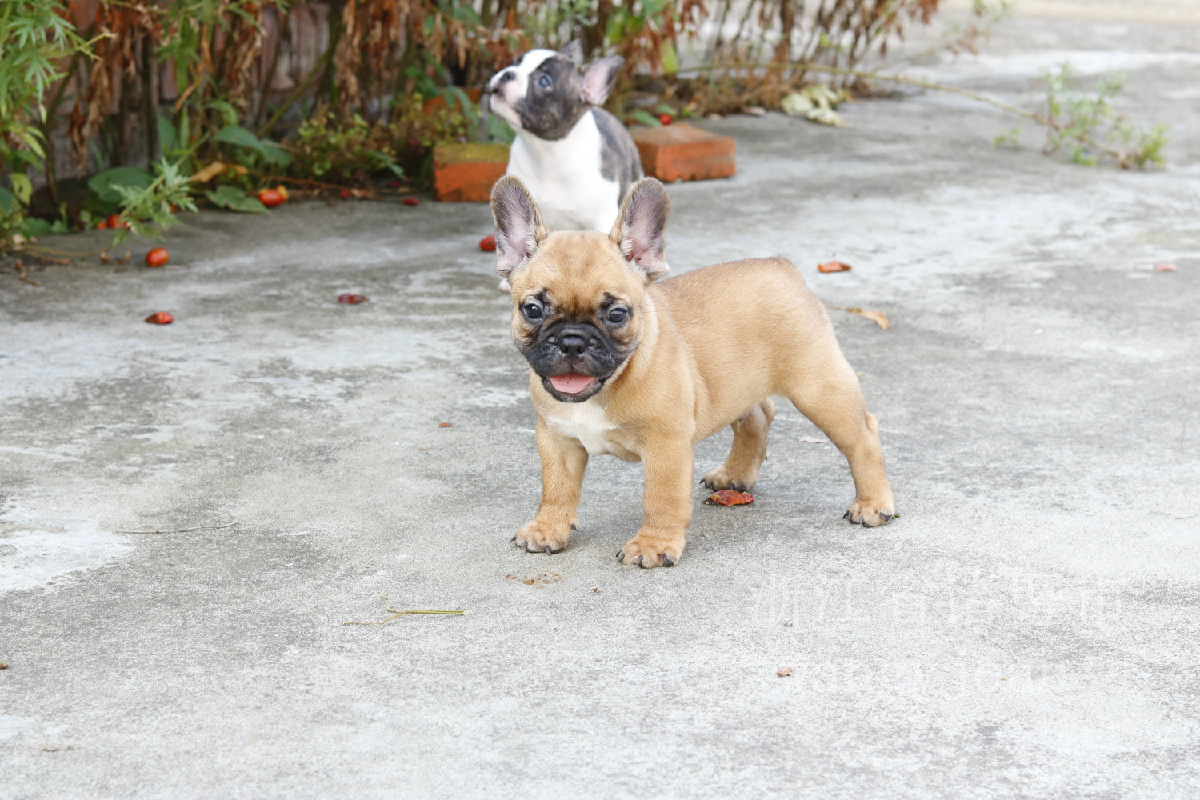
(1029, 626)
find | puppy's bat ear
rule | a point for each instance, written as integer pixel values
(574, 51)
(599, 78)
(640, 229)
(519, 228)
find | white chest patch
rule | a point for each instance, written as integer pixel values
(586, 422)
(565, 180)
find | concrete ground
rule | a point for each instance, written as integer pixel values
(1029, 627)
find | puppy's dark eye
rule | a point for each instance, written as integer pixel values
(544, 82)
(616, 316)
(532, 311)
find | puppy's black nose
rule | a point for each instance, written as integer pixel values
(572, 344)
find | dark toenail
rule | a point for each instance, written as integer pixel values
(639, 562)
(549, 552)
(620, 555)
(666, 562)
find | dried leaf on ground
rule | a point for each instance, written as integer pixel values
(445, 424)
(878, 317)
(352, 299)
(1162, 266)
(813, 440)
(543, 579)
(834, 266)
(785, 672)
(729, 497)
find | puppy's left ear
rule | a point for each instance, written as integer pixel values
(573, 51)
(640, 229)
(599, 79)
(519, 228)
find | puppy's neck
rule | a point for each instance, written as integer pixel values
(547, 149)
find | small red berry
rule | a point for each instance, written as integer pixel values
(665, 119)
(158, 257)
(487, 243)
(270, 198)
(160, 318)
(352, 299)
(411, 201)
(346, 194)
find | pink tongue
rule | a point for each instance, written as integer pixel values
(572, 383)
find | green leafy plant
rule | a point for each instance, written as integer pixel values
(1086, 126)
(344, 154)
(35, 44)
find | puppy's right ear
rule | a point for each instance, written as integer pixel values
(519, 228)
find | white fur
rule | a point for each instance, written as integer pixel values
(564, 178)
(584, 421)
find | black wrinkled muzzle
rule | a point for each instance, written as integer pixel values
(573, 348)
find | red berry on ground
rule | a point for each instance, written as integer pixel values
(346, 194)
(113, 222)
(270, 198)
(487, 243)
(352, 299)
(410, 201)
(158, 257)
(665, 119)
(160, 318)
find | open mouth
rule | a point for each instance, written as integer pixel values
(573, 384)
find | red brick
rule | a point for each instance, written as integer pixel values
(466, 172)
(680, 152)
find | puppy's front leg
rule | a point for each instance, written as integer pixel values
(667, 503)
(563, 463)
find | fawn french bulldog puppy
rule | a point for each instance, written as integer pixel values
(619, 364)
(576, 159)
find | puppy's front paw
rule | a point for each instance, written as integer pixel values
(653, 549)
(721, 478)
(544, 537)
(869, 514)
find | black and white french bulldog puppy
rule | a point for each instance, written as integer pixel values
(576, 159)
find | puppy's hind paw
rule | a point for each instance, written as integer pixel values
(869, 514)
(544, 537)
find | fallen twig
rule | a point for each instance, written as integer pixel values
(187, 530)
(395, 613)
(20, 268)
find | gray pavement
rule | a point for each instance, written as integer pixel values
(1029, 627)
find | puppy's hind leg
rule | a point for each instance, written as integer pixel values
(740, 470)
(832, 399)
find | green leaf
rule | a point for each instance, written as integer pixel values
(22, 187)
(7, 200)
(645, 118)
(240, 137)
(36, 227)
(167, 140)
(235, 200)
(103, 183)
(236, 134)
